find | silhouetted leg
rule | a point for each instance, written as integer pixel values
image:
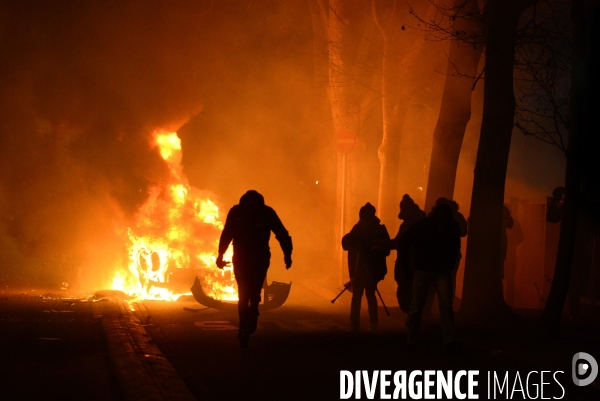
(249, 275)
(429, 300)
(372, 304)
(404, 292)
(358, 287)
(445, 293)
(255, 298)
(421, 282)
(454, 274)
(244, 313)
(400, 297)
(243, 304)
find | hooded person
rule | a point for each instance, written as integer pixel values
(464, 230)
(436, 242)
(555, 205)
(456, 214)
(249, 225)
(410, 213)
(366, 246)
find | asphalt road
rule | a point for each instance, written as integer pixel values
(53, 349)
(299, 350)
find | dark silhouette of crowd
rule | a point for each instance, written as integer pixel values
(428, 254)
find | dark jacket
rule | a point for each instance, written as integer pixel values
(251, 231)
(366, 246)
(436, 242)
(554, 210)
(409, 217)
(462, 223)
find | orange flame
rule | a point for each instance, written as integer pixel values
(175, 235)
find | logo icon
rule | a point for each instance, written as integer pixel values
(585, 369)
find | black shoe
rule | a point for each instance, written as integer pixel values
(244, 336)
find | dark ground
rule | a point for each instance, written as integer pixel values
(52, 350)
(296, 354)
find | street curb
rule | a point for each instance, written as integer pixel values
(142, 371)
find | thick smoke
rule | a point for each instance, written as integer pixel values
(83, 87)
(84, 84)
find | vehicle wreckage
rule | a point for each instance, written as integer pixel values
(274, 295)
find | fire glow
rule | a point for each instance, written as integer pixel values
(175, 235)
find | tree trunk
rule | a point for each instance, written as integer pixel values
(343, 24)
(568, 229)
(482, 294)
(455, 110)
(402, 52)
(323, 126)
(389, 150)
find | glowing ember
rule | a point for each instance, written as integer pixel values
(175, 235)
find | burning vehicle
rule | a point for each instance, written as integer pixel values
(174, 242)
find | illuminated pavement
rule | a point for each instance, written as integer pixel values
(299, 349)
(113, 350)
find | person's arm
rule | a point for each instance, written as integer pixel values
(456, 238)
(404, 244)
(380, 250)
(393, 243)
(282, 235)
(353, 257)
(349, 242)
(381, 243)
(226, 238)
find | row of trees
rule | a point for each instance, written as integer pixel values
(365, 51)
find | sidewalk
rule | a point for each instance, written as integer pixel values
(55, 347)
(52, 350)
